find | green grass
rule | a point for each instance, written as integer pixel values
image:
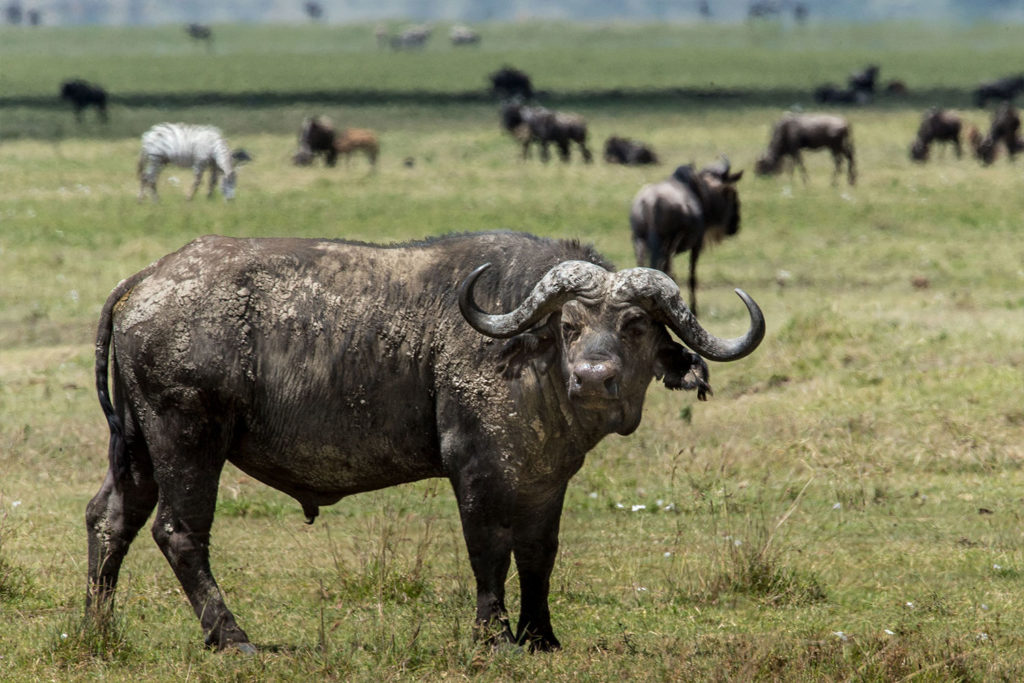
(846, 506)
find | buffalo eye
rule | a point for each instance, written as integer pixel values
(570, 331)
(635, 327)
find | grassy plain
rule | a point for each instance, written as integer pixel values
(847, 506)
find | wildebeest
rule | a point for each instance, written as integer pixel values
(1004, 129)
(83, 94)
(543, 126)
(463, 35)
(830, 93)
(358, 139)
(864, 80)
(1002, 89)
(201, 33)
(794, 132)
(686, 212)
(314, 10)
(325, 368)
(628, 152)
(508, 82)
(316, 138)
(937, 125)
(200, 148)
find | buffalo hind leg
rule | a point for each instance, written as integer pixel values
(184, 516)
(113, 518)
(535, 546)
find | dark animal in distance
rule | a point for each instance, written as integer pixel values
(83, 94)
(294, 358)
(316, 138)
(687, 212)
(628, 152)
(937, 125)
(830, 93)
(543, 126)
(201, 33)
(794, 132)
(1004, 130)
(508, 82)
(314, 10)
(1002, 89)
(864, 80)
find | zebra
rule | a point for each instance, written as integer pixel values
(186, 145)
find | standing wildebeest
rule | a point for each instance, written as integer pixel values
(1005, 129)
(1002, 89)
(938, 125)
(201, 33)
(686, 212)
(316, 137)
(508, 82)
(83, 94)
(544, 126)
(326, 368)
(794, 132)
(628, 152)
(196, 147)
(864, 80)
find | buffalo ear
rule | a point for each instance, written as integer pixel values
(734, 178)
(679, 368)
(522, 349)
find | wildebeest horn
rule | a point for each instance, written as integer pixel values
(563, 282)
(658, 294)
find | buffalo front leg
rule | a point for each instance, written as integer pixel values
(184, 517)
(535, 545)
(485, 505)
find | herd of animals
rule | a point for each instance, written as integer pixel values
(509, 356)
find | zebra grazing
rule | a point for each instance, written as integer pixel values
(185, 145)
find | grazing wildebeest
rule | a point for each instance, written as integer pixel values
(686, 212)
(463, 35)
(326, 368)
(196, 147)
(358, 139)
(1005, 130)
(1002, 89)
(794, 132)
(937, 125)
(628, 152)
(316, 138)
(543, 126)
(83, 94)
(508, 82)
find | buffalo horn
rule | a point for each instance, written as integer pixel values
(563, 282)
(658, 294)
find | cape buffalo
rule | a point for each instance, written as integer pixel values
(684, 213)
(794, 132)
(326, 368)
(1002, 89)
(316, 138)
(511, 82)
